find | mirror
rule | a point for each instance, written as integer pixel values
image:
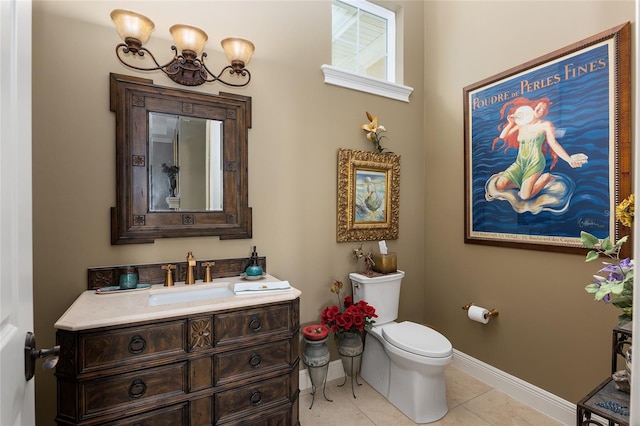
(185, 163)
(181, 163)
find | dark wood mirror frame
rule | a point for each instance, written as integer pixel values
(131, 221)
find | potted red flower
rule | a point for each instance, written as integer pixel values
(349, 317)
(347, 321)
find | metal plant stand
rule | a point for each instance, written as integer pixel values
(354, 368)
(316, 359)
(605, 400)
(319, 373)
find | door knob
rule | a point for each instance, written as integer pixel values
(31, 354)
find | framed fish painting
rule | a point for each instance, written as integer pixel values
(368, 196)
(547, 147)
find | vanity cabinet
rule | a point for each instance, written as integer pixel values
(222, 367)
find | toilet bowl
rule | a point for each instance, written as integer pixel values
(404, 361)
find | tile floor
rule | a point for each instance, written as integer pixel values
(471, 403)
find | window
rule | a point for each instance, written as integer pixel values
(364, 39)
(363, 46)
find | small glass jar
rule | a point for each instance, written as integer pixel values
(128, 278)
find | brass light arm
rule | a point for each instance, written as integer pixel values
(240, 70)
(140, 51)
(184, 68)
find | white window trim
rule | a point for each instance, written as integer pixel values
(363, 83)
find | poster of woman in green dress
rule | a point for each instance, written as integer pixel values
(545, 145)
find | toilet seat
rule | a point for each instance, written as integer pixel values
(417, 339)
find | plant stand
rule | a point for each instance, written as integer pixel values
(605, 400)
(350, 360)
(316, 357)
(315, 372)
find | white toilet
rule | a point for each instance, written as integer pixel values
(403, 361)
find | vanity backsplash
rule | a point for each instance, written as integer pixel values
(152, 273)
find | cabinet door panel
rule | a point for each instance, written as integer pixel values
(201, 411)
(200, 374)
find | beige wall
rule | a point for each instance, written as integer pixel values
(550, 332)
(298, 125)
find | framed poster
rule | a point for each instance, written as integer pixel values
(368, 196)
(547, 147)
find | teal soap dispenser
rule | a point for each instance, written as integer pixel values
(254, 270)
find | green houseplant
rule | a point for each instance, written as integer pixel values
(614, 282)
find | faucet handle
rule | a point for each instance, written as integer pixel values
(207, 271)
(168, 280)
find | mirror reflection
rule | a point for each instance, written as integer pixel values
(185, 167)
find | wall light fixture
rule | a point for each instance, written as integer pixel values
(186, 67)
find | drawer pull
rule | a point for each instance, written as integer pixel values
(137, 388)
(255, 361)
(255, 324)
(137, 345)
(255, 398)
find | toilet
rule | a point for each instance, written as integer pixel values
(404, 361)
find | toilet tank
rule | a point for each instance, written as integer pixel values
(381, 292)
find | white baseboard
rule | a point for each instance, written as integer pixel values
(551, 405)
(535, 397)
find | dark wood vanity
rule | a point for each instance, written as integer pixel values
(229, 360)
(232, 361)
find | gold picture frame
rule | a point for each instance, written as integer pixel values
(368, 196)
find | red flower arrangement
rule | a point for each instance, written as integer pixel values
(347, 317)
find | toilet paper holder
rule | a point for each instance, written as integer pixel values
(490, 314)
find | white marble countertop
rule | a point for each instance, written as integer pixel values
(93, 310)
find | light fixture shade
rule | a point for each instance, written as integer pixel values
(238, 49)
(186, 37)
(132, 25)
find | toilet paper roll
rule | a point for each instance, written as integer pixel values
(479, 314)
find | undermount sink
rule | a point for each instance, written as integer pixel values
(189, 295)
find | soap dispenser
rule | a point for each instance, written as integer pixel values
(254, 270)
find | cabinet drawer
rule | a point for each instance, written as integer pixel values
(175, 415)
(282, 417)
(236, 365)
(244, 401)
(133, 389)
(237, 327)
(108, 349)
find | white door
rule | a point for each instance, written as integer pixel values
(16, 272)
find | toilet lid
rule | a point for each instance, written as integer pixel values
(417, 339)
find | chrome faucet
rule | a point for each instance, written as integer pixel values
(191, 264)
